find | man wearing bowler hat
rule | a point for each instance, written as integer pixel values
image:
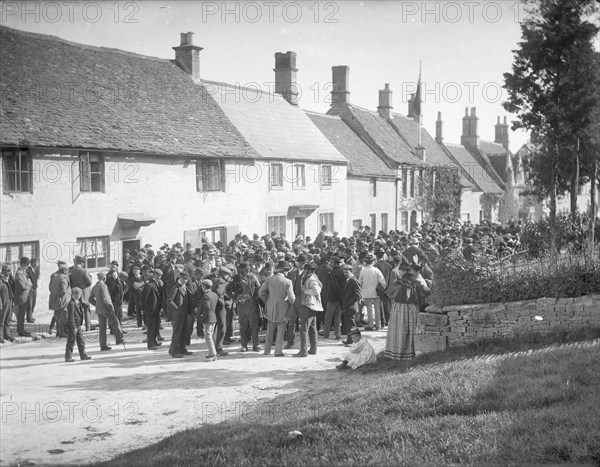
(278, 295)
(100, 298)
(179, 303)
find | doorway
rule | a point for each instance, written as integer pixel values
(298, 226)
(128, 247)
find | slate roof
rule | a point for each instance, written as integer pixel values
(409, 128)
(57, 93)
(383, 135)
(476, 171)
(274, 128)
(362, 160)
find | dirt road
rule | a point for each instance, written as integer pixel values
(76, 413)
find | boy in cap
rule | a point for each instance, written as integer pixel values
(75, 321)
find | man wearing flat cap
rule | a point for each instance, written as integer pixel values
(243, 289)
(60, 296)
(277, 293)
(81, 278)
(334, 297)
(151, 303)
(100, 298)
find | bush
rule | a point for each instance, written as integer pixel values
(571, 234)
(460, 282)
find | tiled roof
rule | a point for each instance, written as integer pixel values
(274, 128)
(498, 162)
(57, 93)
(384, 135)
(489, 148)
(476, 172)
(409, 129)
(362, 160)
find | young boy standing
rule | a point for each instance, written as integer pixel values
(75, 320)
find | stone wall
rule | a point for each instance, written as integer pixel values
(458, 325)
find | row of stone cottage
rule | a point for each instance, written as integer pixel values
(104, 150)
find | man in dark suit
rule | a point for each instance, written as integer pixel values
(80, 277)
(350, 297)
(333, 310)
(22, 289)
(75, 320)
(33, 271)
(179, 303)
(386, 303)
(151, 306)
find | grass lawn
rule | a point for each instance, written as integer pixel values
(516, 403)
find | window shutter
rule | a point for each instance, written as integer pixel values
(199, 177)
(85, 175)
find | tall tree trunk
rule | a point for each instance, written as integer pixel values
(593, 180)
(553, 191)
(575, 181)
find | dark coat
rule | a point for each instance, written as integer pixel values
(335, 283)
(75, 313)
(179, 299)
(6, 298)
(151, 298)
(386, 270)
(116, 289)
(34, 275)
(207, 307)
(350, 293)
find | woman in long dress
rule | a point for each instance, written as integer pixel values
(407, 291)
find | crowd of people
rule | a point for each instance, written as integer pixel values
(329, 286)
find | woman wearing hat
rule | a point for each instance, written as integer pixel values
(407, 294)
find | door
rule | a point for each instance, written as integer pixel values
(413, 219)
(299, 226)
(129, 246)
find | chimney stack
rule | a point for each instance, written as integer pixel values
(385, 102)
(438, 129)
(420, 152)
(469, 136)
(187, 55)
(340, 95)
(285, 76)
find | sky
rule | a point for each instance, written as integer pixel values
(464, 47)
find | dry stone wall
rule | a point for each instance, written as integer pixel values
(458, 325)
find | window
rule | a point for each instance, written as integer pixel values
(326, 173)
(276, 224)
(91, 172)
(384, 222)
(357, 223)
(17, 171)
(419, 188)
(95, 250)
(276, 175)
(214, 235)
(12, 252)
(405, 183)
(373, 222)
(404, 220)
(373, 187)
(299, 180)
(412, 183)
(327, 219)
(210, 176)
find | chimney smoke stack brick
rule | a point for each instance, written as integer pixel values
(340, 94)
(187, 55)
(285, 76)
(438, 129)
(385, 102)
(469, 135)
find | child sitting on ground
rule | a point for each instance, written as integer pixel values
(361, 352)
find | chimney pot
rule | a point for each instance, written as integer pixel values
(285, 76)
(385, 102)
(340, 94)
(473, 112)
(187, 55)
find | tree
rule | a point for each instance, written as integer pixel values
(551, 87)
